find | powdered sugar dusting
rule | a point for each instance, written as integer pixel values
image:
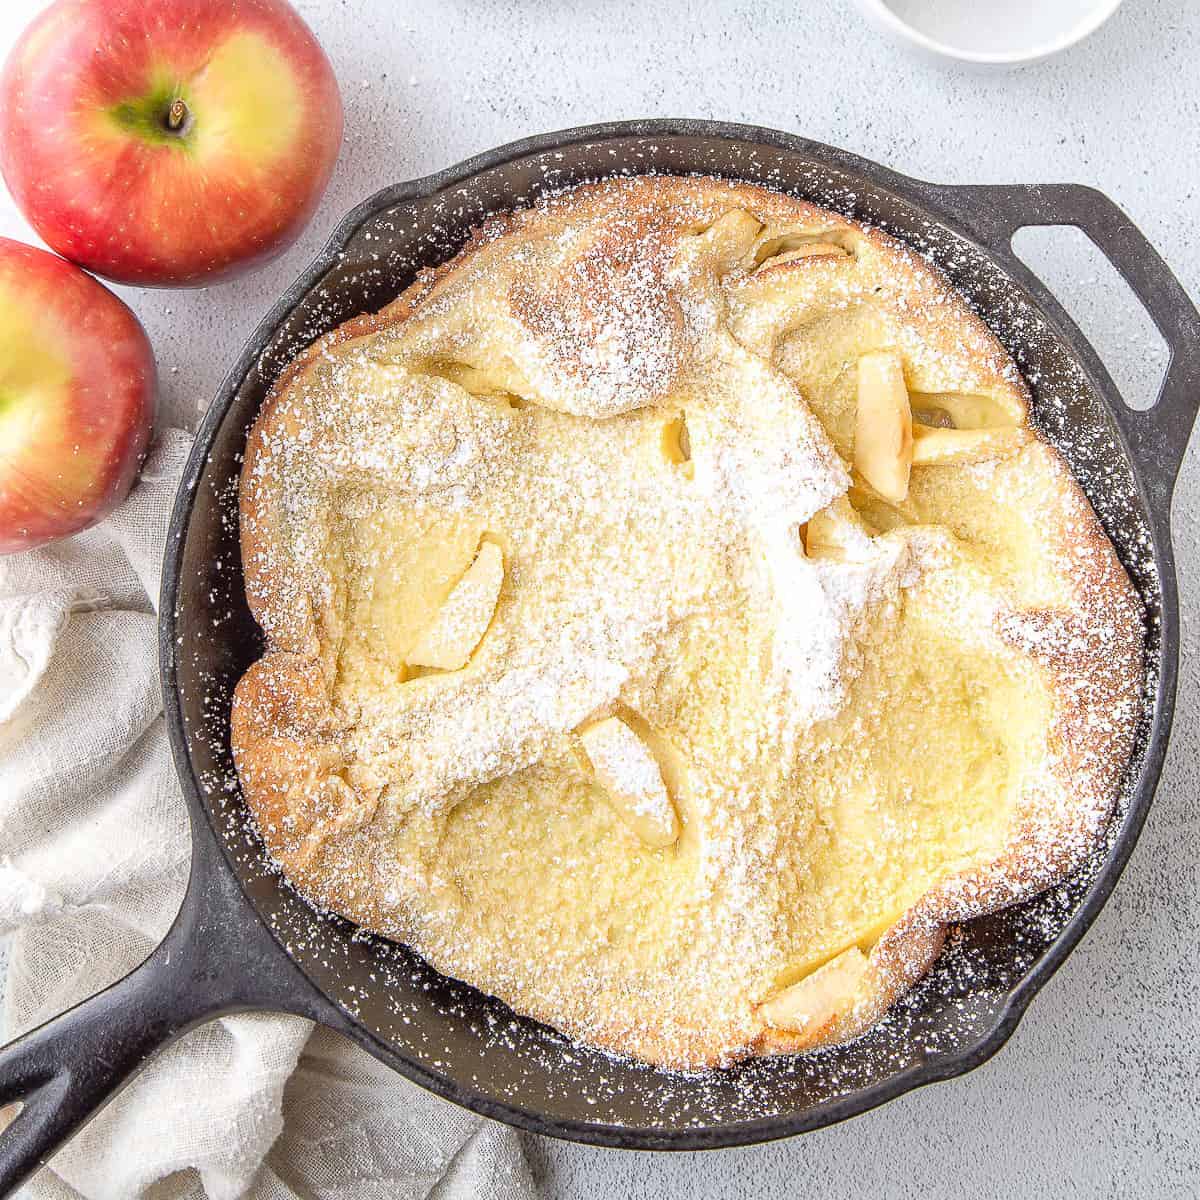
(754, 1091)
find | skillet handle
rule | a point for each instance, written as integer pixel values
(217, 958)
(67, 1068)
(1158, 437)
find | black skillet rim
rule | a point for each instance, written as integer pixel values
(922, 196)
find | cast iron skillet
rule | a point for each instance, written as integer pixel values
(243, 940)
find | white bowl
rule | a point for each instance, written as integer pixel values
(1059, 25)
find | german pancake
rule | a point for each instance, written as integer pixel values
(674, 620)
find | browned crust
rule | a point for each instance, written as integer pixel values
(287, 750)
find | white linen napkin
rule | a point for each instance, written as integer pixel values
(94, 851)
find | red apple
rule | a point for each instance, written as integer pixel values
(168, 142)
(76, 398)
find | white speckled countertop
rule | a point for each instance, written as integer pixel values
(1098, 1092)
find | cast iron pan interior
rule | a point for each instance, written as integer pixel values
(467, 1046)
(478, 1046)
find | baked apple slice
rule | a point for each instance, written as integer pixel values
(632, 780)
(808, 1006)
(883, 428)
(449, 640)
(948, 447)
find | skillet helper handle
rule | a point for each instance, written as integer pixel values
(216, 959)
(1157, 437)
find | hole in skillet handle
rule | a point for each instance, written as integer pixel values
(1102, 304)
(1158, 435)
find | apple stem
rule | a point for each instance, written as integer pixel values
(177, 114)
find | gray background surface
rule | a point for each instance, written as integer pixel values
(1097, 1092)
